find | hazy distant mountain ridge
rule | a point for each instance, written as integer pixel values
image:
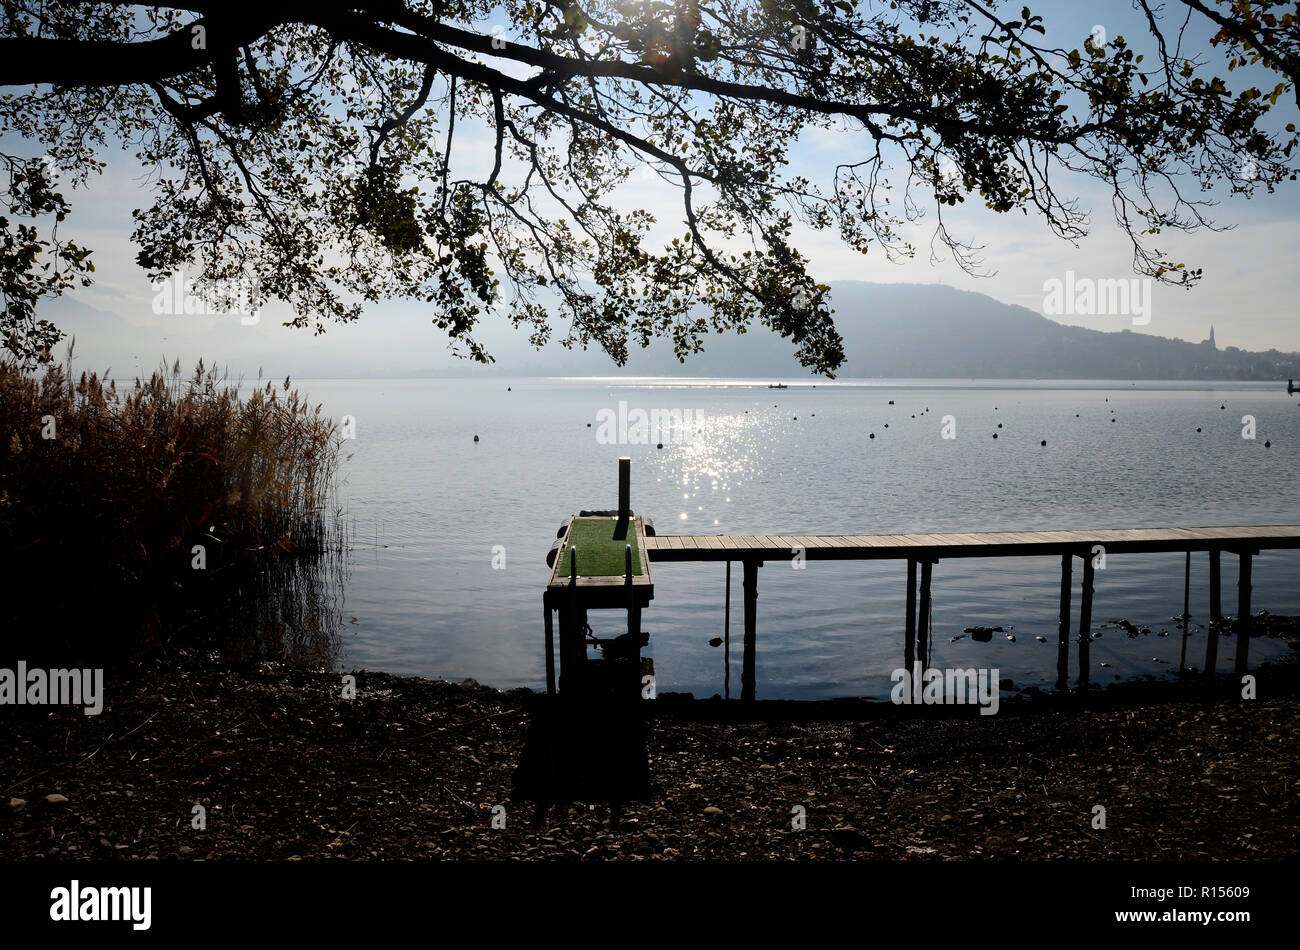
(890, 331)
(911, 330)
(936, 331)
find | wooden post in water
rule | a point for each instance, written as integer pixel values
(1216, 613)
(909, 630)
(923, 617)
(1216, 608)
(1187, 610)
(1063, 624)
(726, 639)
(1085, 622)
(633, 611)
(751, 637)
(1243, 612)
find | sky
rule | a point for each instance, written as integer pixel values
(1248, 292)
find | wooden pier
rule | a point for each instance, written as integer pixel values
(599, 562)
(925, 550)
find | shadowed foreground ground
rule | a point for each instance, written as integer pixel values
(412, 769)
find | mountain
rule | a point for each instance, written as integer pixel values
(934, 331)
(894, 331)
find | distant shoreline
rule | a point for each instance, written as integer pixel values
(804, 382)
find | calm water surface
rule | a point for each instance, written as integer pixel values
(430, 505)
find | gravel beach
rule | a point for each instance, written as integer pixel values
(284, 768)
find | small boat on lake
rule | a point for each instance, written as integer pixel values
(777, 386)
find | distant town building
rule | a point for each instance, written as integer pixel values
(1210, 341)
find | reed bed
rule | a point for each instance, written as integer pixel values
(128, 514)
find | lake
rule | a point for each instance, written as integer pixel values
(430, 510)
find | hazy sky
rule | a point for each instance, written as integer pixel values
(1248, 293)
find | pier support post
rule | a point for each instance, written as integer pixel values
(726, 638)
(1187, 611)
(550, 650)
(923, 616)
(1085, 622)
(1216, 608)
(573, 647)
(633, 611)
(573, 620)
(909, 629)
(1243, 612)
(751, 637)
(1063, 624)
(1216, 614)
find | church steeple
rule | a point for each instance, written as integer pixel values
(1212, 346)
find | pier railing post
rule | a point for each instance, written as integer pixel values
(1063, 624)
(751, 637)
(1243, 612)
(1085, 622)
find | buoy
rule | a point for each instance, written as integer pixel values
(1267, 444)
(588, 425)
(999, 425)
(659, 445)
(995, 435)
(1198, 428)
(475, 438)
(507, 389)
(886, 425)
(891, 402)
(1221, 407)
(796, 418)
(872, 436)
(1044, 442)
